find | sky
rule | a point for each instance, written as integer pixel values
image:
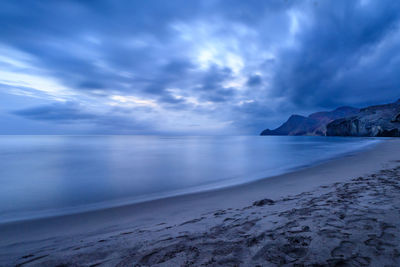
(209, 67)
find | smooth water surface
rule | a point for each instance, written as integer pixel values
(48, 175)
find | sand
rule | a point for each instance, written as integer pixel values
(342, 212)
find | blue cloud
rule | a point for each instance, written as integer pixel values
(254, 80)
(250, 62)
(65, 113)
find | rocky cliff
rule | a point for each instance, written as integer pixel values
(314, 124)
(382, 120)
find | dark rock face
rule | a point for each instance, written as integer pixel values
(295, 125)
(396, 118)
(314, 124)
(380, 121)
(263, 202)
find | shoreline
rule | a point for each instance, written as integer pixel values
(216, 186)
(66, 230)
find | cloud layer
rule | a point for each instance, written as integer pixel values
(191, 67)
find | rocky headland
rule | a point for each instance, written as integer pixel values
(381, 121)
(373, 121)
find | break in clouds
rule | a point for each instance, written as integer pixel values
(190, 67)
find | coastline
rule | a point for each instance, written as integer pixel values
(213, 186)
(23, 238)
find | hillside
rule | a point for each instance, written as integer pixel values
(314, 124)
(379, 120)
(382, 121)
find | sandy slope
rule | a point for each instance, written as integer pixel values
(343, 211)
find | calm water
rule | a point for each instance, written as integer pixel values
(47, 175)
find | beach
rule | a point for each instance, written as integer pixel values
(342, 211)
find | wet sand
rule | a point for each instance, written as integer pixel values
(345, 211)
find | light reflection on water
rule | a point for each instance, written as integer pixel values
(55, 174)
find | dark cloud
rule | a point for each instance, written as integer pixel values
(174, 73)
(334, 64)
(171, 99)
(65, 113)
(73, 113)
(91, 85)
(220, 95)
(178, 67)
(214, 78)
(254, 80)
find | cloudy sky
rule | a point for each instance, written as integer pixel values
(190, 67)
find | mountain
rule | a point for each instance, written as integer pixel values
(314, 124)
(382, 120)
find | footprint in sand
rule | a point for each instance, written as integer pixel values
(344, 250)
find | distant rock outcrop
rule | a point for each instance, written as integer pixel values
(314, 124)
(382, 121)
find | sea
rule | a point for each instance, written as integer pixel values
(43, 176)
